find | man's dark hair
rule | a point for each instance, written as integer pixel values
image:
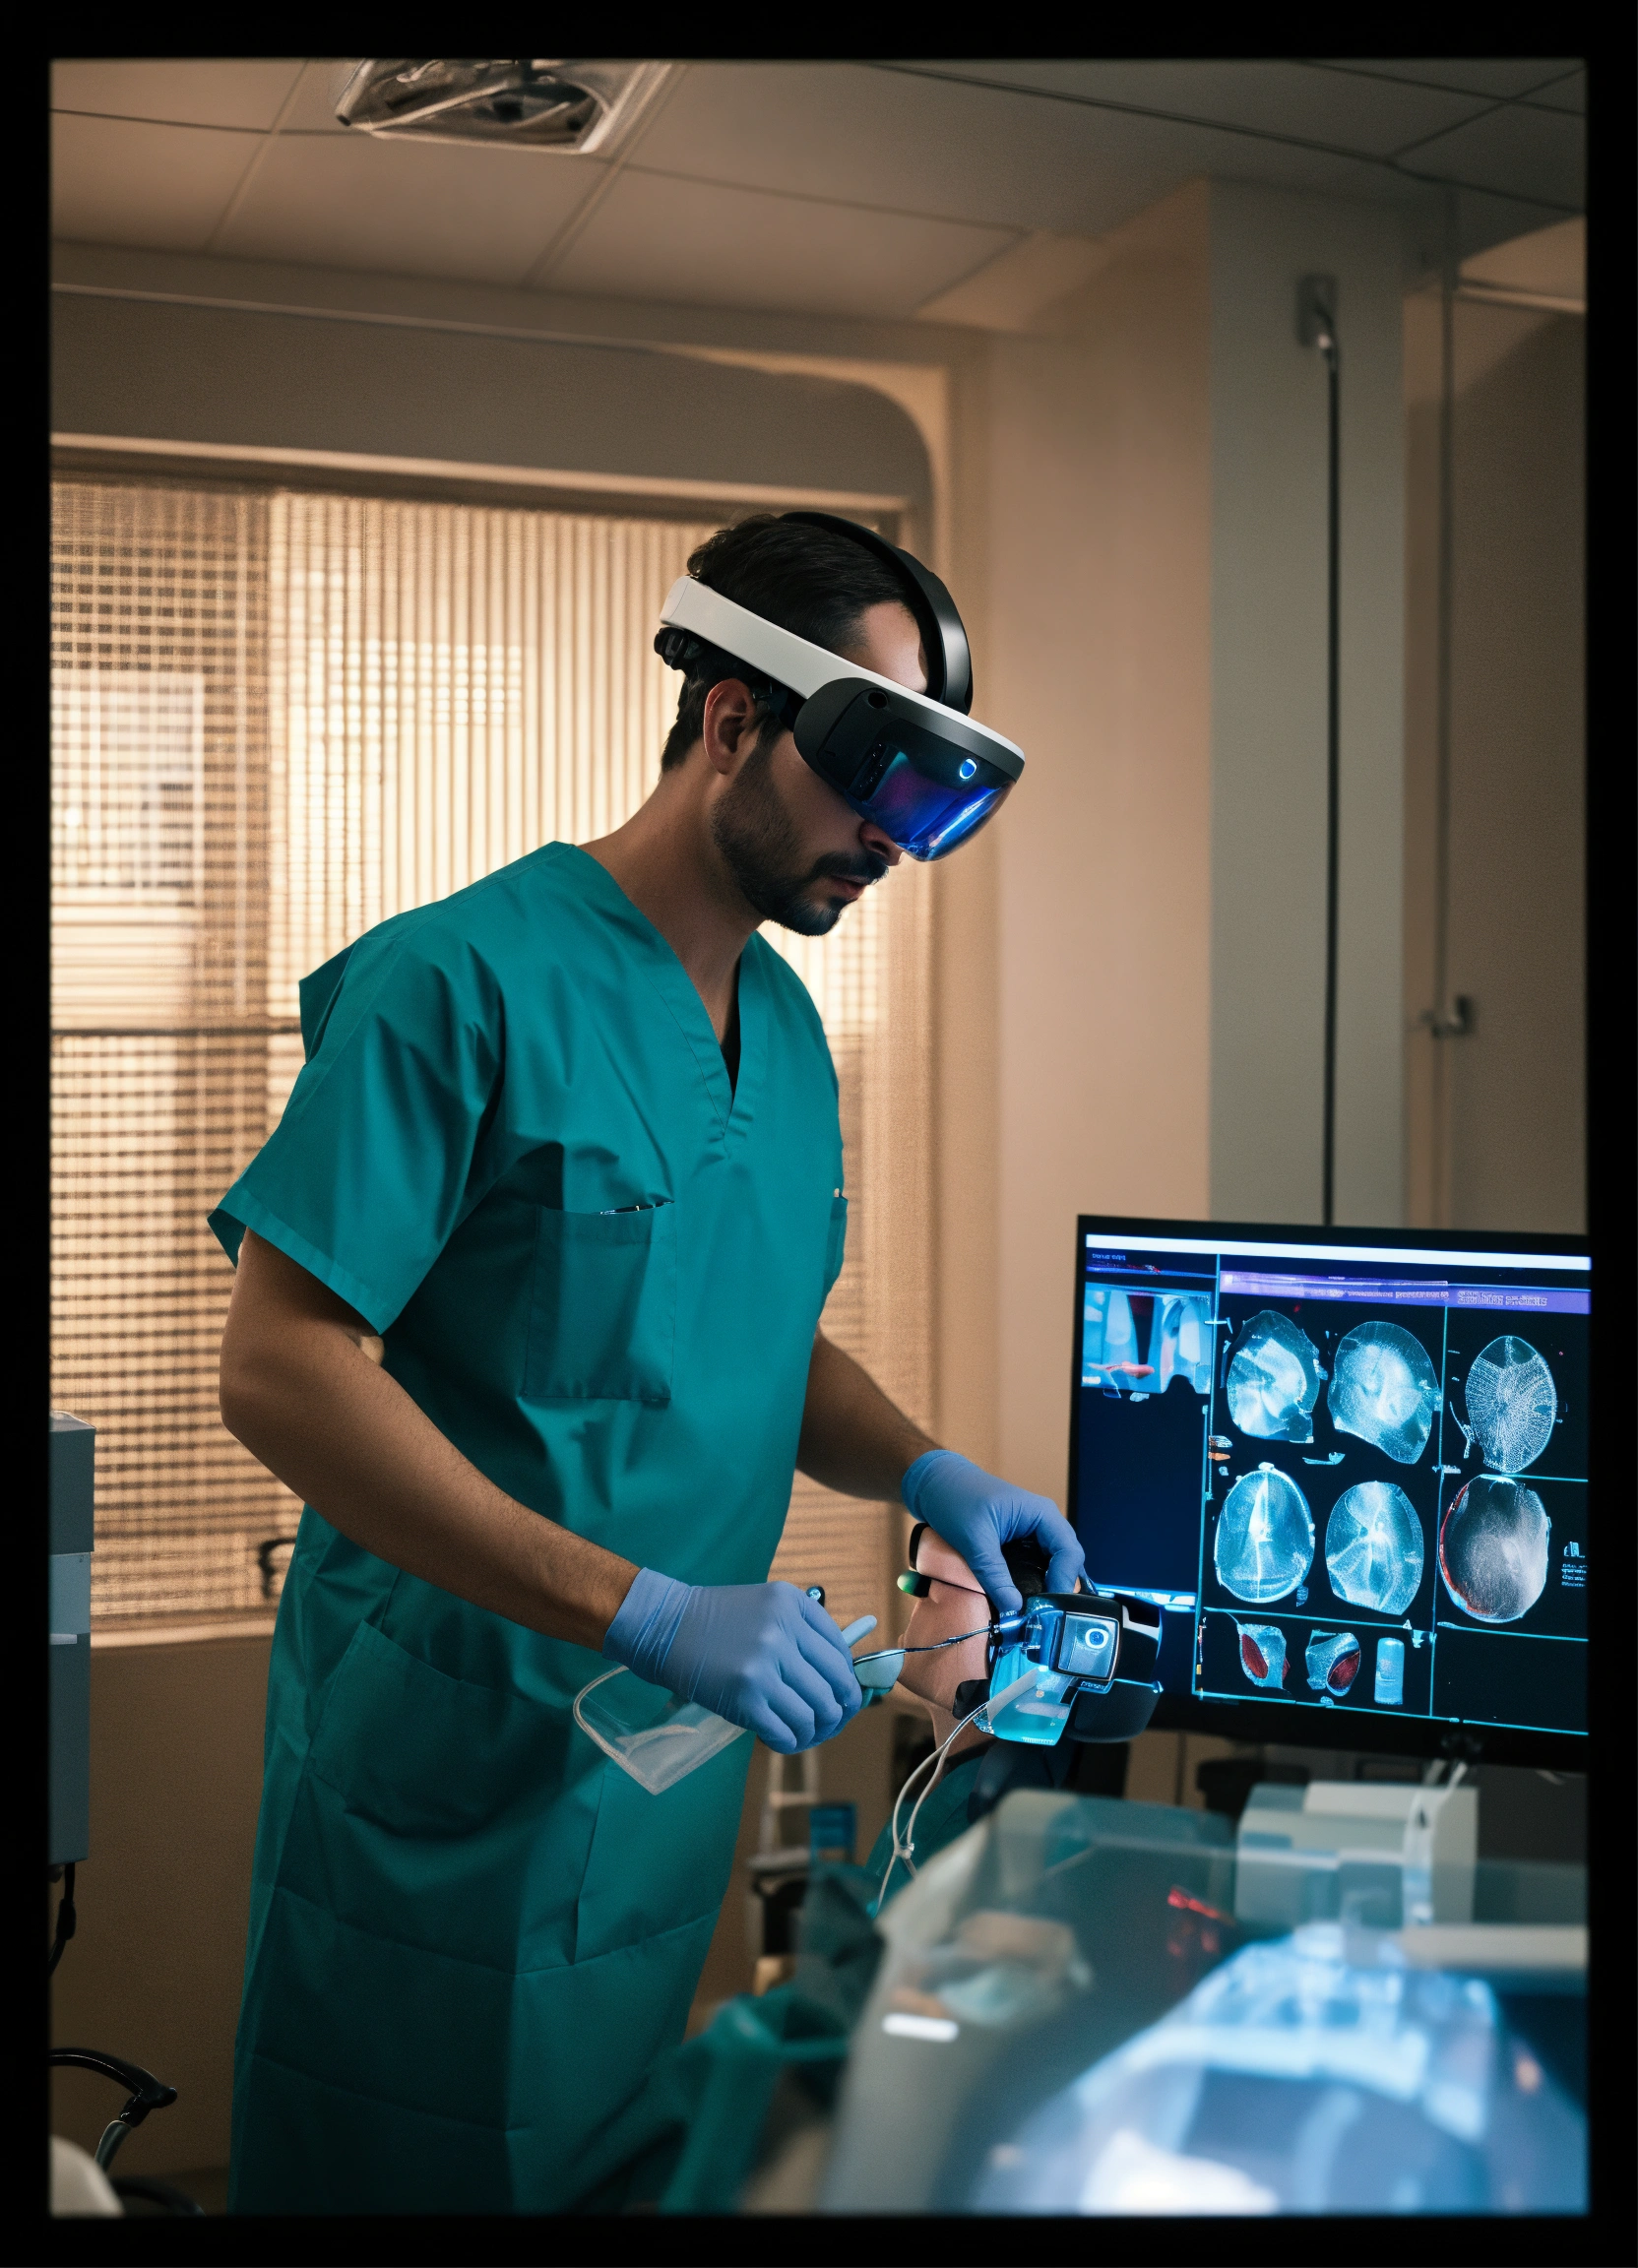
(810, 580)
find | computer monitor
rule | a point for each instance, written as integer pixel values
(1350, 1466)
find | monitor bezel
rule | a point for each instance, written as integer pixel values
(1280, 1723)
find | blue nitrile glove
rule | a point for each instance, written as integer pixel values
(976, 1514)
(759, 1654)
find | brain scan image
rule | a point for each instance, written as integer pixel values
(1264, 1545)
(1512, 1404)
(1274, 1379)
(1263, 1654)
(1493, 1547)
(1374, 1551)
(1332, 1660)
(1384, 1389)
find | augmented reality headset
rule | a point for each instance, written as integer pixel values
(1074, 1664)
(913, 763)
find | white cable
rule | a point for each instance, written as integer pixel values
(899, 1850)
(905, 1850)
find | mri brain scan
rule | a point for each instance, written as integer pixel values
(1493, 1547)
(1373, 1546)
(1263, 1654)
(1385, 1390)
(1332, 1660)
(1512, 1404)
(1274, 1379)
(1264, 1545)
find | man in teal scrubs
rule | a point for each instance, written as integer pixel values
(527, 1305)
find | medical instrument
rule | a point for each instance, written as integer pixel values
(656, 1735)
(913, 763)
(763, 1655)
(879, 1672)
(1080, 1663)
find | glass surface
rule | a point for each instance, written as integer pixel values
(1070, 2017)
(926, 816)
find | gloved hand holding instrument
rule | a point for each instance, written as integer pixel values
(761, 1655)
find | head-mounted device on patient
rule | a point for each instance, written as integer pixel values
(1080, 1664)
(914, 764)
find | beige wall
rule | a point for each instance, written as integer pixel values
(1097, 489)
(1269, 677)
(1497, 1124)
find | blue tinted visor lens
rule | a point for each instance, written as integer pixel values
(927, 817)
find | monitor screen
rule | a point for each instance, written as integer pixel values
(1352, 1467)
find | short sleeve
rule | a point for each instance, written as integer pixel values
(374, 1162)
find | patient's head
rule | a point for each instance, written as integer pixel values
(954, 1605)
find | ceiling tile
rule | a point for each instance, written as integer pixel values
(1516, 151)
(123, 182)
(901, 141)
(180, 92)
(655, 237)
(406, 208)
(1282, 99)
(323, 83)
(1500, 77)
(1564, 94)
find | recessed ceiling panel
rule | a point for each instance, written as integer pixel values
(123, 182)
(179, 91)
(1566, 94)
(1539, 154)
(938, 147)
(1292, 100)
(656, 237)
(407, 209)
(1500, 77)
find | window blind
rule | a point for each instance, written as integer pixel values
(278, 718)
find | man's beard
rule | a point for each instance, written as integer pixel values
(753, 831)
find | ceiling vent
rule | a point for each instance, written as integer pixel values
(576, 108)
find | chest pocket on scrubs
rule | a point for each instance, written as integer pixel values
(602, 1308)
(838, 1244)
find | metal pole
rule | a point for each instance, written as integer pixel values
(1333, 753)
(1316, 326)
(1444, 695)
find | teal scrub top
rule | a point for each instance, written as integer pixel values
(514, 1150)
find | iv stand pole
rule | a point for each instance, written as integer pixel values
(1316, 326)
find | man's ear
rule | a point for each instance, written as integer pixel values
(730, 726)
